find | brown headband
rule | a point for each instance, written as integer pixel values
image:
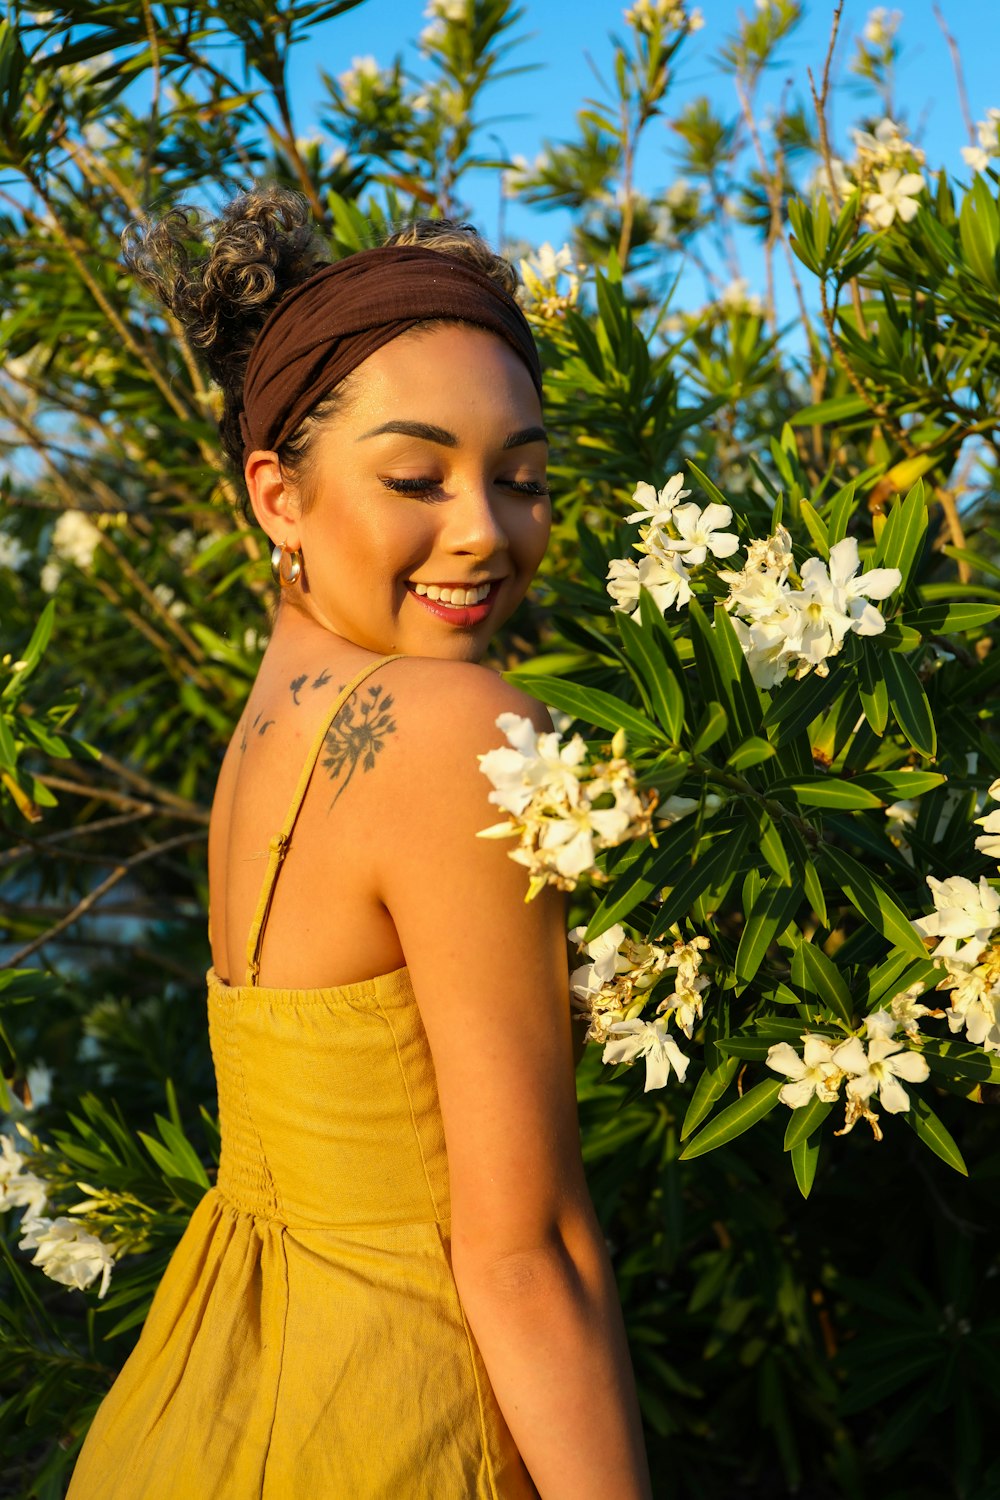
(327, 325)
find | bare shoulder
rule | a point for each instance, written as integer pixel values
(447, 713)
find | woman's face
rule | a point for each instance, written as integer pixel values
(430, 480)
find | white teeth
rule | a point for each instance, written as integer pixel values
(456, 598)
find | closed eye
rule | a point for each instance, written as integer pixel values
(427, 486)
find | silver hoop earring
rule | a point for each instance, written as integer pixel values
(285, 572)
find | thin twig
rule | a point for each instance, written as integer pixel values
(92, 897)
(956, 62)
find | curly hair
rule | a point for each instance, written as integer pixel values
(223, 276)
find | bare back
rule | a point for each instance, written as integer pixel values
(327, 925)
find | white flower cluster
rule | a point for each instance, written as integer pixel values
(363, 73)
(75, 539)
(883, 169)
(647, 15)
(64, 1250)
(563, 808)
(824, 1065)
(988, 131)
(615, 980)
(881, 26)
(612, 988)
(675, 538)
(13, 554)
(966, 922)
(551, 281)
(784, 625)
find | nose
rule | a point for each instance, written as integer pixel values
(471, 523)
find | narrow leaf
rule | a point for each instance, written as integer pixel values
(735, 1120)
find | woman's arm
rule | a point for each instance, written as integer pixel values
(490, 975)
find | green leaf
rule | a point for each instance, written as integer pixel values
(979, 230)
(902, 536)
(893, 786)
(703, 482)
(842, 508)
(945, 617)
(816, 527)
(816, 974)
(654, 870)
(735, 1120)
(710, 1087)
(33, 652)
(8, 747)
(665, 696)
(750, 753)
(814, 891)
(771, 913)
(831, 792)
(928, 1128)
(804, 1156)
(772, 848)
(872, 689)
(909, 704)
(872, 900)
(794, 705)
(592, 705)
(806, 1120)
(709, 871)
(742, 696)
(837, 409)
(961, 1059)
(714, 723)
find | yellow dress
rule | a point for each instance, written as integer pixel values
(307, 1341)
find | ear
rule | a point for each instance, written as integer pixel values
(275, 503)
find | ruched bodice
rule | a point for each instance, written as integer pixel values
(350, 1066)
(307, 1341)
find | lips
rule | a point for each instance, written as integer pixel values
(460, 616)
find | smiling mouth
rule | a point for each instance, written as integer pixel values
(459, 596)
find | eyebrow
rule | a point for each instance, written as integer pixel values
(432, 434)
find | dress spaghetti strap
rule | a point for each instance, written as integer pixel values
(279, 842)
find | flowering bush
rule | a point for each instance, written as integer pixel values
(772, 796)
(804, 708)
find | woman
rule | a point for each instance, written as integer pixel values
(398, 1287)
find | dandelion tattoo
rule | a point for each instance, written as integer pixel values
(352, 741)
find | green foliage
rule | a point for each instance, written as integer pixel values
(841, 1291)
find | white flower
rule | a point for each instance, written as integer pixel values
(897, 194)
(988, 130)
(685, 1003)
(654, 506)
(664, 576)
(67, 1253)
(551, 282)
(75, 539)
(164, 593)
(842, 596)
(907, 1011)
(988, 843)
(673, 808)
(880, 1070)
(447, 10)
(651, 1040)
(881, 26)
(976, 158)
(737, 297)
(700, 533)
(964, 913)
(18, 1188)
(12, 554)
(814, 1073)
(881, 1023)
(533, 761)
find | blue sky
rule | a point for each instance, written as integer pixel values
(561, 35)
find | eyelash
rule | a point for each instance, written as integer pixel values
(424, 486)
